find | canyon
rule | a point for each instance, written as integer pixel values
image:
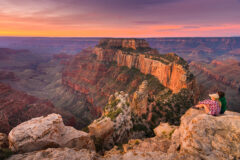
(110, 67)
(133, 101)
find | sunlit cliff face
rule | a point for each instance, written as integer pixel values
(119, 18)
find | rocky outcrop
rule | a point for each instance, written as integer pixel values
(57, 154)
(43, 132)
(208, 137)
(200, 136)
(101, 128)
(171, 74)
(17, 107)
(115, 124)
(139, 102)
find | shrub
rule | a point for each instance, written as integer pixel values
(114, 114)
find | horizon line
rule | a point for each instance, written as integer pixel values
(117, 37)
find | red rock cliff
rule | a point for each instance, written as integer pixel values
(170, 74)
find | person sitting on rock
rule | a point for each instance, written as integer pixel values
(212, 106)
(223, 101)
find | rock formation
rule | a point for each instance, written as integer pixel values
(170, 73)
(115, 124)
(43, 132)
(200, 136)
(139, 102)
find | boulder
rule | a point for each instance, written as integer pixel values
(164, 130)
(57, 154)
(101, 128)
(3, 140)
(208, 137)
(45, 132)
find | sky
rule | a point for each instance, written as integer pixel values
(120, 18)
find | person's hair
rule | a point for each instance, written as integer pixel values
(221, 94)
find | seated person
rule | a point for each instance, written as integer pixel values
(212, 106)
(223, 101)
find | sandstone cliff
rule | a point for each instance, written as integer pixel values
(170, 73)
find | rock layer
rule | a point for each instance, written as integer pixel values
(43, 132)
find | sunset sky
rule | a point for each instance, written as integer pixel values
(120, 18)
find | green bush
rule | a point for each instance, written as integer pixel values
(113, 114)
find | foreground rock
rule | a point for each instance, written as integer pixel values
(57, 154)
(199, 137)
(164, 130)
(45, 132)
(208, 137)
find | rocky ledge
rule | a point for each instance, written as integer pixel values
(199, 137)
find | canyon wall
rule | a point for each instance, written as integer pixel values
(171, 75)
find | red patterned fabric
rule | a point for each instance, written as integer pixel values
(214, 106)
